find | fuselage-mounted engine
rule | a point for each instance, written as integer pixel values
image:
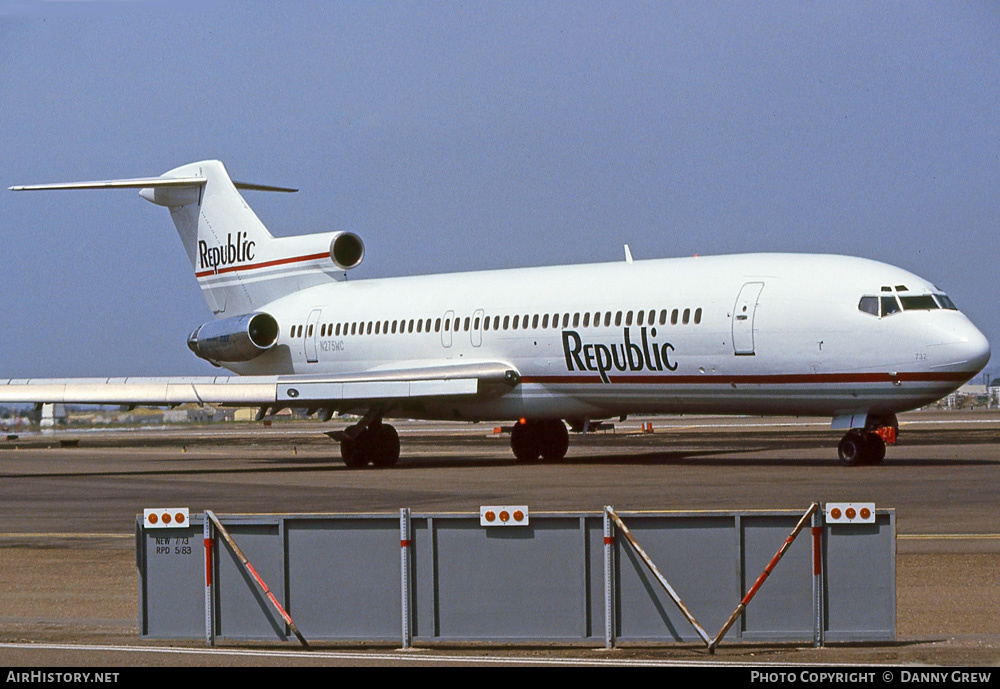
(240, 338)
(347, 250)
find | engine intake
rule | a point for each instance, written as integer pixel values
(347, 250)
(240, 338)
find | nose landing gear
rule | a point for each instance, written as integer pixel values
(861, 447)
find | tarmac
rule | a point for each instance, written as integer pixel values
(68, 580)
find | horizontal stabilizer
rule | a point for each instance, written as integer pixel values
(145, 183)
(138, 183)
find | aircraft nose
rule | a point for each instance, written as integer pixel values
(973, 347)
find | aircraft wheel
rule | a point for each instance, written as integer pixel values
(875, 450)
(852, 449)
(352, 455)
(554, 441)
(385, 446)
(525, 441)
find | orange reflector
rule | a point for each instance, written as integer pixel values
(503, 515)
(835, 513)
(153, 519)
(179, 517)
(850, 513)
(866, 513)
(166, 518)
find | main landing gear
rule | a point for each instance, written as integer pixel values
(534, 438)
(368, 442)
(859, 447)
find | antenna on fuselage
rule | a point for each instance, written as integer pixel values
(628, 254)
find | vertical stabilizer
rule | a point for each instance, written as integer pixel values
(238, 263)
(240, 266)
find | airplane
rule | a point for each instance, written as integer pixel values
(753, 334)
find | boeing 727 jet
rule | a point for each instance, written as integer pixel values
(810, 335)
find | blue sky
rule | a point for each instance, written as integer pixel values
(468, 135)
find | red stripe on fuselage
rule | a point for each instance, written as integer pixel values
(265, 264)
(777, 379)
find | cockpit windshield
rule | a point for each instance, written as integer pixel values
(889, 302)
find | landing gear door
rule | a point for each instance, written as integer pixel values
(312, 331)
(743, 317)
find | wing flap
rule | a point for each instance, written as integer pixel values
(460, 380)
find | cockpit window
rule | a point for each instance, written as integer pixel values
(869, 305)
(923, 302)
(889, 306)
(945, 302)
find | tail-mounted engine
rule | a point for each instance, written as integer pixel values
(347, 250)
(240, 338)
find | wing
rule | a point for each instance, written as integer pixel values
(352, 390)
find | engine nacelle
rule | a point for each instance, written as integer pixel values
(347, 250)
(240, 338)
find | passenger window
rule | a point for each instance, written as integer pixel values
(673, 317)
(868, 305)
(618, 319)
(534, 321)
(565, 320)
(663, 317)
(628, 319)
(687, 316)
(640, 318)
(607, 319)
(437, 325)
(586, 320)
(576, 320)
(506, 322)
(889, 306)
(545, 321)
(697, 316)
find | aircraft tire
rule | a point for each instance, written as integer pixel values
(852, 449)
(525, 441)
(554, 440)
(875, 450)
(351, 453)
(384, 446)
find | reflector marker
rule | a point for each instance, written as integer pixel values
(503, 515)
(850, 513)
(165, 517)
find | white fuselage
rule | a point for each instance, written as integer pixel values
(743, 334)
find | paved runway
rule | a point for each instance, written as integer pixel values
(67, 575)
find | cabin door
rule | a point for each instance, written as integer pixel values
(743, 317)
(312, 332)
